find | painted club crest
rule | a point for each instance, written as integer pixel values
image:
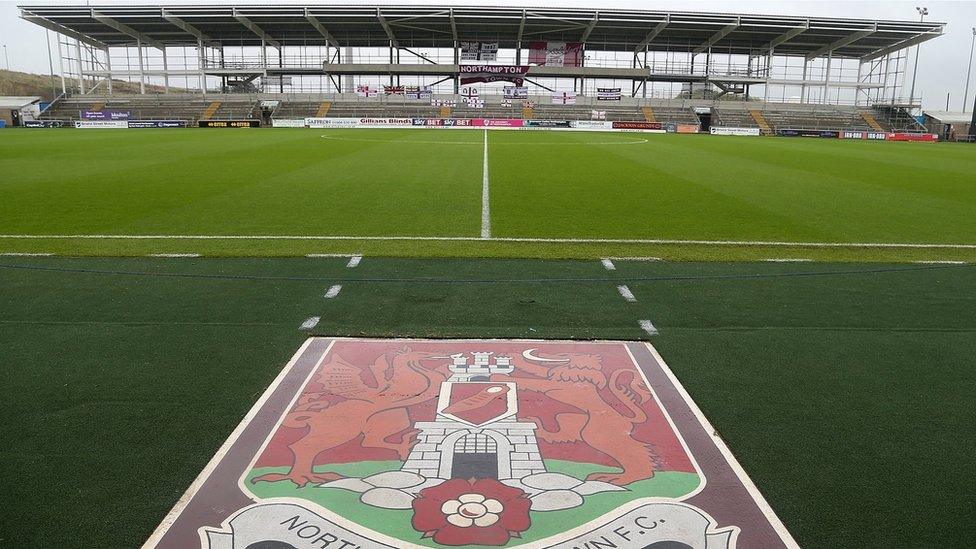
(454, 443)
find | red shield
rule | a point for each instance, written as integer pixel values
(477, 403)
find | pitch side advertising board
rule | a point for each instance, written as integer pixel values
(332, 122)
(105, 115)
(547, 124)
(734, 131)
(250, 123)
(102, 124)
(288, 123)
(593, 125)
(138, 124)
(826, 134)
(45, 124)
(899, 136)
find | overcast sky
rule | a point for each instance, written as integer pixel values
(942, 66)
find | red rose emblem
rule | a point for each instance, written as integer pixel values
(471, 512)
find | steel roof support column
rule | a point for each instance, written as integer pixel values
(769, 74)
(803, 85)
(142, 69)
(826, 98)
(644, 87)
(200, 65)
(81, 78)
(165, 72)
(108, 65)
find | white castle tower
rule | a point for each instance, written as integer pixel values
(486, 440)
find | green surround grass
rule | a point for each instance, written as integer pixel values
(844, 390)
(427, 183)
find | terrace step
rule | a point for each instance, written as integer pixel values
(445, 111)
(211, 110)
(648, 114)
(761, 122)
(323, 109)
(871, 121)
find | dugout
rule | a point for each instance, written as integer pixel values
(15, 109)
(949, 125)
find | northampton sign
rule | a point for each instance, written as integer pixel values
(364, 443)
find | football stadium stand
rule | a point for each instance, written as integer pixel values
(293, 62)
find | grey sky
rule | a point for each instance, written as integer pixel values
(942, 66)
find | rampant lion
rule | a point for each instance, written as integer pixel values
(348, 407)
(576, 380)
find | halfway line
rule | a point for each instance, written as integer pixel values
(485, 206)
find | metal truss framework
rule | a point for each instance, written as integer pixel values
(823, 60)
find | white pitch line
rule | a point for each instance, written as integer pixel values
(333, 291)
(941, 262)
(637, 258)
(354, 261)
(310, 323)
(627, 294)
(772, 243)
(787, 260)
(173, 255)
(608, 265)
(648, 327)
(485, 198)
(330, 255)
(26, 254)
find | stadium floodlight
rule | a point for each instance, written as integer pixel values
(5, 58)
(969, 71)
(922, 12)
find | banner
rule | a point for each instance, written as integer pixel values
(608, 94)
(564, 98)
(479, 51)
(393, 90)
(288, 123)
(249, 123)
(515, 74)
(498, 122)
(829, 134)
(638, 126)
(105, 115)
(598, 115)
(156, 124)
(45, 123)
(687, 128)
(433, 122)
(734, 131)
(313, 122)
(457, 122)
(469, 93)
(384, 122)
(475, 103)
(899, 136)
(881, 136)
(365, 91)
(102, 124)
(556, 54)
(443, 103)
(516, 92)
(547, 124)
(591, 125)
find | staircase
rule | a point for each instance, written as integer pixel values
(445, 111)
(211, 110)
(648, 114)
(761, 122)
(871, 121)
(527, 113)
(97, 107)
(323, 109)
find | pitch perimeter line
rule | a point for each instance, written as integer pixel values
(491, 239)
(485, 198)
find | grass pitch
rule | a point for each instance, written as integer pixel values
(843, 389)
(390, 186)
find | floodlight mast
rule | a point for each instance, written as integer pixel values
(969, 71)
(922, 12)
